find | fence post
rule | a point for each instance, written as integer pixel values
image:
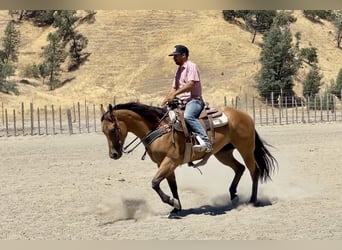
(287, 118)
(260, 110)
(45, 116)
(38, 118)
(328, 106)
(60, 120)
(293, 109)
(6, 121)
(53, 120)
(79, 116)
(22, 118)
(31, 117)
(253, 109)
(3, 114)
(87, 118)
(14, 123)
(272, 104)
(69, 122)
(266, 113)
(308, 108)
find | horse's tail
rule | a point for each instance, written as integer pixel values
(265, 161)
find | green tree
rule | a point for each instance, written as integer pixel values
(338, 26)
(257, 21)
(312, 82)
(54, 55)
(336, 87)
(11, 42)
(279, 63)
(65, 22)
(310, 54)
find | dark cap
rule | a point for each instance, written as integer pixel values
(180, 49)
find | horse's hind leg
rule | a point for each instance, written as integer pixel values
(225, 156)
(254, 172)
(171, 180)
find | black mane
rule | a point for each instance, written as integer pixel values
(150, 113)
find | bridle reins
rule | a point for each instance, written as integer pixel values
(117, 130)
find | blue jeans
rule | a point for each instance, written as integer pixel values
(191, 114)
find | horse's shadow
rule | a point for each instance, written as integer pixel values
(214, 210)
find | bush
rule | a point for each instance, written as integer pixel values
(32, 71)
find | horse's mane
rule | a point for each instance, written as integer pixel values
(150, 113)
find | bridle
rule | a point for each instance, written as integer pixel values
(117, 131)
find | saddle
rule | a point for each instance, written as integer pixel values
(210, 118)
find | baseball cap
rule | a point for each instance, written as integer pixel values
(179, 49)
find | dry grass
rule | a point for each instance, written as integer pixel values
(129, 56)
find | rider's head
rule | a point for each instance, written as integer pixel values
(180, 54)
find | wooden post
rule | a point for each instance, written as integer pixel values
(69, 122)
(292, 106)
(31, 117)
(321, 103)
(22, 118)
(3, 114)
(60, 120)
(74, 111)
(87, 118)
(38, 118)
(266, 113)
(260, 110)
(53, 120)
(14, 123)
(308, 108)
(272, 104)
(328, 107)
(296, 110)
(46, 123)
(287, 118)
(79, 116)
(315, 108)
(6, 122)
(253, 109)
(302, 103)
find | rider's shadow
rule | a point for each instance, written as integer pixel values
(214, 210)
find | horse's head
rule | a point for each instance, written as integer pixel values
(115, 131)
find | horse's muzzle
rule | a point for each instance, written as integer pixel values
(115, 154)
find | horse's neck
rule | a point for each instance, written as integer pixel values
(135, 124)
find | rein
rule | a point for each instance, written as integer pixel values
(149, 138)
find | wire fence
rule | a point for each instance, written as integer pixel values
(85, 117)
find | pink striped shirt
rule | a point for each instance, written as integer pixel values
(186, 73)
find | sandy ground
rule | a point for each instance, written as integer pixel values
(66, 187)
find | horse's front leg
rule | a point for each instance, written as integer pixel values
(166, 170)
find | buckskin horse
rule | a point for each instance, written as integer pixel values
(167, 147)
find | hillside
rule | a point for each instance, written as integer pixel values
(128, 56)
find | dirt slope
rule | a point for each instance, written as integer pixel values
(129, 56)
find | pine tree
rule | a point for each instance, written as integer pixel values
(312, 82)
(65, 22)
(11, 42)
(54, 55)
(279, 63)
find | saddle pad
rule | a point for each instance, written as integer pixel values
(220, 121)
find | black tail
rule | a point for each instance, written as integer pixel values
(264, 159)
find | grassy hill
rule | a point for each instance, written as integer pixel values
(128, 56)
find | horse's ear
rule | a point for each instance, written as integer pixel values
(102, 109)
(110, 107)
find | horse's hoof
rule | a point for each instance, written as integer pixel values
(174, 214)
(176, 204)
(235, 201)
